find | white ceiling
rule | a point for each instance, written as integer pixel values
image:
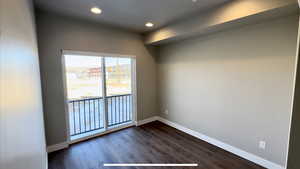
(129, 14)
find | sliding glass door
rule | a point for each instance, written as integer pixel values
(99, 92)
(118, 82)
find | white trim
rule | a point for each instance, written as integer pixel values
(100, 54)
(134, 89)
(57, 147)
(145, 121)
(227, 147)
(65, 145)
(66, 108)
(251, 157)
(102, 133)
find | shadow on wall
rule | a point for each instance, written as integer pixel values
(228, 41)
(153, 51)
(226, 76)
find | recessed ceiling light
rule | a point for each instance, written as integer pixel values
(149, 24)
(96, 10)
(194, 0)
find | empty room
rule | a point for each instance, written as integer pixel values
(149, 84)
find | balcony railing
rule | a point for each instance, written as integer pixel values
(87, 115)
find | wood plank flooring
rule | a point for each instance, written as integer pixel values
(151, 143)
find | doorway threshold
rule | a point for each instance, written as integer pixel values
(100, 132)
(87, 134)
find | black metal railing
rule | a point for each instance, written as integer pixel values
(88, 114)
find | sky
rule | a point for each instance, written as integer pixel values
(93, 61)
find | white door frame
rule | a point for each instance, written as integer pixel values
(133, 88)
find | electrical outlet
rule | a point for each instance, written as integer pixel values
(166, 111)
(262, 145)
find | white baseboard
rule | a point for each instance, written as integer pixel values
(145, 121)
(65, 145)
(251, 157)
(57, 147)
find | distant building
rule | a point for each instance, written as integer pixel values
(94, 72)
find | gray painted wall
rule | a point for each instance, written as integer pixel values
(22, 139)
(235, 86)
(58, 32)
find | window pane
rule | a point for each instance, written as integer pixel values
(83, 75)
(118, 76)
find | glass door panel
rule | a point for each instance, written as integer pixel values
(118, 81)
(98, 101)
(84, 90)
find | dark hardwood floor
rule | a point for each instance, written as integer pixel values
(151, 143)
